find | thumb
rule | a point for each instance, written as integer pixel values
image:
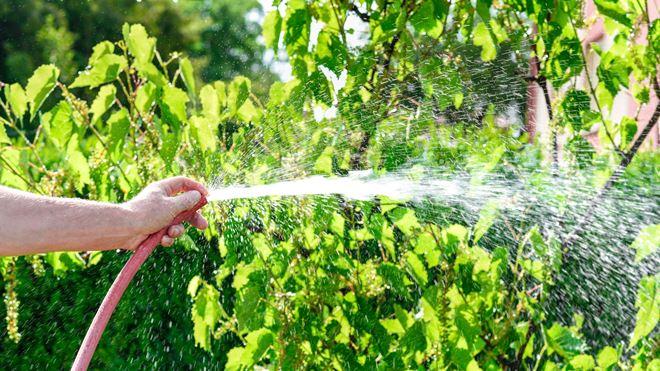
(186, 201)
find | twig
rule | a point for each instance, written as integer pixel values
(621, 168)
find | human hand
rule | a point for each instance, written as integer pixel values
(160, 202)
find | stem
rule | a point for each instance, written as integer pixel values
(27, 181)
(593, 91)
(627, 158)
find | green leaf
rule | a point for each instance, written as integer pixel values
(583, 362)
(99, 50)
(647, 242)
(40, 85)
(405, 220)
(174, 103)
(337, 224)
(648, 308)
(193, 285)
(210, 102)
(323, 164)
(59, 124)
(481, 37)
(103, 101)
(145, 97)
(331, 52)
(104, 70)
(428, 18)
(149, 72)
(392, 326)
(206, 312)
(613, 10)
(487, 216)
(417, 269)
(77, 163)
(563, 341)
(574, 105)
(17, 99)
(248, 112)
(140, 45)
(188, 75)
(204, 130)
(628, 129)
(238, 92)
(119, 123)
(3, 134)
(272, 28)
(257, 343)
(169, 146)
(63, 262)
(298, 24)
(12, 156)
(607, 357)
(221, 89)
(235, 360)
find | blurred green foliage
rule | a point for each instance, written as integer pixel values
(218, 35)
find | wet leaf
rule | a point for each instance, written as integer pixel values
(647, 242)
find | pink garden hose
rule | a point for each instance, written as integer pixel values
(118, 287)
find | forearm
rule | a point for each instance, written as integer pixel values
(32, 224)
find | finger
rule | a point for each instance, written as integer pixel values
(175, 231)
(167, 241)
(198, 221)
(185, 201)
(176, 185)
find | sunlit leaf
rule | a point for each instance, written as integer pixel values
(613, 10)
(481, 37)
(119, 123)
(77, 163)
(272, 27)
(17, 99)
(140, 45)
(323, 164)
(238, 92)
(187, 73)
(647, 242)
(563, 341)
(210, 102)
(487, 217)
(174, 103)
(40, 85)
(648, 308)
(145, 97)
(104, 70)
(103, 101)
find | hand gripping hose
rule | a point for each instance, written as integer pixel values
(118, 287)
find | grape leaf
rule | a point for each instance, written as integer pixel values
(17, 99)
(487, 216)
(210, 102)
(77, 163)
(103, 101)
(204, 131)
(481, 37)
(40, 85)
(648, 308)
(141, 46)
(104, 69)
(188, 75)
(272, 27)
(647, 242)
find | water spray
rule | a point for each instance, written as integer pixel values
(118, 287)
